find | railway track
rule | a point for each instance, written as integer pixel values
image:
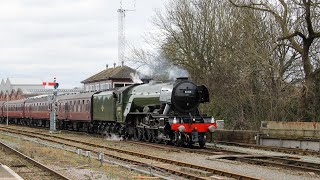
(195, 149)
(273, 161)
(295, 151)
(282, 162)
(207, 151)
(120, 156)
(27, 167)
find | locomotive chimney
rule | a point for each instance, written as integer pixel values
(182, 79)
(107, 66)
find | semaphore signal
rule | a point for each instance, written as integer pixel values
(54, 84)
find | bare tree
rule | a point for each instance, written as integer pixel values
(299, 24)
(223, 47)
(237, 54)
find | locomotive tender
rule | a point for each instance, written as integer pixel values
(155, 112)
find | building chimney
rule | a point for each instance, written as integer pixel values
(107, 66)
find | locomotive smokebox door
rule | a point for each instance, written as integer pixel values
(185, 96)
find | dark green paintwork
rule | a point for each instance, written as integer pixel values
(104, 106)
(118, 103)
(144, 101)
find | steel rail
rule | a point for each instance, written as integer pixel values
(206, 151)
(164, 160)
(273, 148)
(136, 162)
(280, 162)
(34, 162)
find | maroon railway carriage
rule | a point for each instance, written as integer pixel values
(15, 109)
(74, 109)
(37, 110)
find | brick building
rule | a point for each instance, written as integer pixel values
(18, 88)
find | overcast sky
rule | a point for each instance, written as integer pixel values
(67, 39)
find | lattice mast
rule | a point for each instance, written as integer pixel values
(121, 33)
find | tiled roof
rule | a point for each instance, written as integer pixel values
(121, 72)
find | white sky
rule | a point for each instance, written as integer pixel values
(67, 39)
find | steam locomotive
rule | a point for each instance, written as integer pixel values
(154, 112)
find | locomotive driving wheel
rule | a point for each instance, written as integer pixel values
(137, 135)
(150, 135)
(140, 132)
(146, 135)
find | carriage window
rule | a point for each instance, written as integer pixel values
(83, 106)
(79, 106)
(74, 107)
(87, 106)
(66, 107)
(70, 106)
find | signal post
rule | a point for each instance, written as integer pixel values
(54, 106)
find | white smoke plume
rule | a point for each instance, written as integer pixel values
(113, 137)
(135, 78)
(176, 72)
